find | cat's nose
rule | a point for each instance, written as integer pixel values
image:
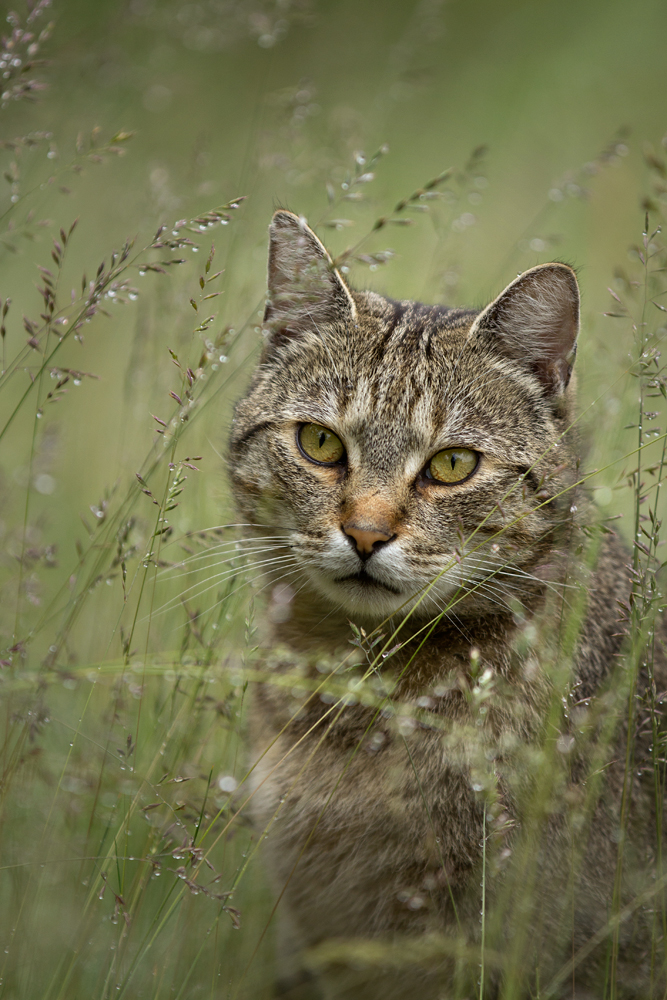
(366, 539)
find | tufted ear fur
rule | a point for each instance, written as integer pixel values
(536, 321)
(304, 288)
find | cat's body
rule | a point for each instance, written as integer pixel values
(375, 801)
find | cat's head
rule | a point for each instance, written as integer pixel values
(407, 454)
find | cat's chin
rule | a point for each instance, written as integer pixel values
(362, 595)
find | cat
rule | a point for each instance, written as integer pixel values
(413, 471)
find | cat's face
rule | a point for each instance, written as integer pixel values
(401, 450)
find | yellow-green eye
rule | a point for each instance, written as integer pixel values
(320, 444)
(453, 465)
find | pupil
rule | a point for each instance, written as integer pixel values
(453, 460)
(323, 438)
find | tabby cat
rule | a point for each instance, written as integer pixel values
(436, 784)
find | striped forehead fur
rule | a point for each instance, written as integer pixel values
(399, 359)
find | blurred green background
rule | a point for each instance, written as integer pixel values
(119, 680)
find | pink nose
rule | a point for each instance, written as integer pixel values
(365, 539)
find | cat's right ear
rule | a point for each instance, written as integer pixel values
(305, 291)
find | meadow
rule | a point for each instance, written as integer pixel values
(437, 149)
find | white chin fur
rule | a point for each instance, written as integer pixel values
(368, 601)
(359, 598)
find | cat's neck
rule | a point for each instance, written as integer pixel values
(423, 650)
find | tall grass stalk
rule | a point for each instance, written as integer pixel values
(129, 652)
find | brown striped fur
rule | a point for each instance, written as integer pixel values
(378, 829)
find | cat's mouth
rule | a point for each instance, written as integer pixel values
(366, 580)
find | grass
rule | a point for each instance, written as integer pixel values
(128, 611)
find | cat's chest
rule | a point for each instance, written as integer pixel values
(405, 798)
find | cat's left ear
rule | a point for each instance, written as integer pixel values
(305, 291)
(536, 321)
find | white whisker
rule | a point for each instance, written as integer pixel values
(203, 586)
(226, 597)
(187, 567)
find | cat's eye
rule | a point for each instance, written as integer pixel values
(452, 465)
(320, 444)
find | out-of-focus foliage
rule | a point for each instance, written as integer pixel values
(438, 148)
